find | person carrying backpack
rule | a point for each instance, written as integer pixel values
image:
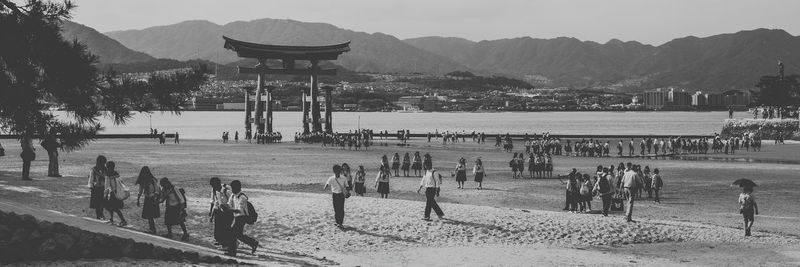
(240, 206)
(603, 188)
(175, 207)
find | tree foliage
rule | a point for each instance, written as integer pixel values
(777, 91)
(39, 70)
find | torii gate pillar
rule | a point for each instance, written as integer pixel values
(328, 109)
(259, 103)
(305, 110)
(248, 108)
(269, 108)
(315, 116)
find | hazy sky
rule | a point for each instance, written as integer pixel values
(647, 21)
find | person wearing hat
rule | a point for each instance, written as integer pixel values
(431, 182)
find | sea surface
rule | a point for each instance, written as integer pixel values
(211, 124)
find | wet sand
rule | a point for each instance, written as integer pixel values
(698, 208)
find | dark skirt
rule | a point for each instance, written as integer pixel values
(383, 187)
(416, 166)
(222, 225)
(548, 167)
(112, 203)
(395, 165)
(461, 176)
(360, 189)
(150, 209)
(96, 200)
(172, 215)
(479, 177)
(405, 166)
(521, 167)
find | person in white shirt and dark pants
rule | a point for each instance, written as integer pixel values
(238, 204)
(431, 182)
(336, 183)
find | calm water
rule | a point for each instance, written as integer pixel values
(210, 124)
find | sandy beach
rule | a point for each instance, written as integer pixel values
(512, 222)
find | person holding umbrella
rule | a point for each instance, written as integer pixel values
(747, 203)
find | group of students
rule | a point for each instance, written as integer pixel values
(407, 163)
(341, 183)
(773, 113)
(109, 191)
(230, 210)
(540, 165)
(628, 182)
(349, 140)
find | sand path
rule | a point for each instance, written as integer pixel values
(390, 232)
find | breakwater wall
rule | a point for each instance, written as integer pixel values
(24, 238)
(766, 129)
(492, 136)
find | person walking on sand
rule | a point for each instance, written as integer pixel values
(238, 204)
(359, 181)
(336, 183)
(236, 136)
(479, 173)
(568, 192)
(113, 203)
(382, 181)
(220, 213)
(97, 184)
(657, 184)
(148, 186)
(514, 167)
(174, 208)
(177, 138)
(417, 165)
(396, 164)
(629, 189)
(748, 208)
(348, 176)
(431, 184)
(603, 189)
(460, 172)
(406, 164)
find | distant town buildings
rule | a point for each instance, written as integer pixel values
(679, 99)
(654, 99)
(725, 99)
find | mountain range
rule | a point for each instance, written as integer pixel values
(714, 63)
(108, 50)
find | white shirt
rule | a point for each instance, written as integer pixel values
(337, 185)
(239, 202)
(629, 179)
(429, 180)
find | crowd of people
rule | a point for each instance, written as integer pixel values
(540, 165)
(230, 209)
(766, 112)
(628, 182)
(353, 139)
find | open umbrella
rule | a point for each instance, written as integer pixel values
(744, 183)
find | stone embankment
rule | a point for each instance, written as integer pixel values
(25, 238)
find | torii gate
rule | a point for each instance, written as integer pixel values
(287, 55)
